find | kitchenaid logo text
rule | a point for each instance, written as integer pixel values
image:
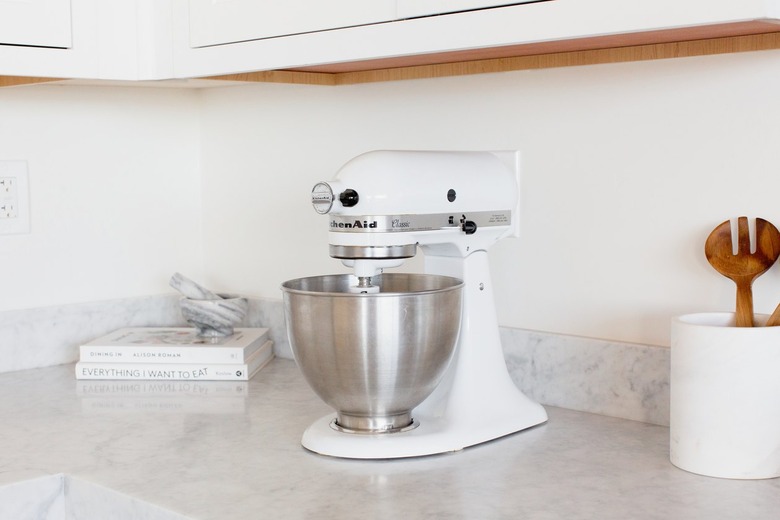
(353, 225)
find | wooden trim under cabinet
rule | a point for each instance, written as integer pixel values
(676, 43)
(533, 56)
(12, 81)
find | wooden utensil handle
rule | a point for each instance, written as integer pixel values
(774, 319)
(744, 305)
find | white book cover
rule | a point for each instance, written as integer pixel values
(172, 345)
(177, 371)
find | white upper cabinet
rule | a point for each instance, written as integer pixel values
(423, 29)
(168, 39)
(219, 22)
(216, 22)
(416, 8)
(48, 38)
(86, 39)
(36, 23)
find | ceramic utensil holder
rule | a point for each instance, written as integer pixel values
(725, 397)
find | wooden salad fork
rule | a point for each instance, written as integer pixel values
(743, 267)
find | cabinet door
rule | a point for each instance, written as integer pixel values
(35, 23)
(215, 22)
(415, 8)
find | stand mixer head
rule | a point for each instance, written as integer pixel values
(381, 207)
(383, 204)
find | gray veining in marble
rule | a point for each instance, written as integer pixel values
(36, 499)
(610, 378)
(63, 497)
(211, 313)
(46, 336)
(191, 289)
(214, 317)
(270, 314)
(250, 464)
(605, 377)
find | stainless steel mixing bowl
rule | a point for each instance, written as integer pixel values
(373, 357)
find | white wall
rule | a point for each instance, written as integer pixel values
(627, 167)
(114, 192)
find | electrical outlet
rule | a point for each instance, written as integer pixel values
(8, 209)
(14, 198)
(8, 187)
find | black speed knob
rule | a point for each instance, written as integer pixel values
(348, 198)
(469, 227)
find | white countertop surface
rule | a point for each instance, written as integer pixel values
(196, 452)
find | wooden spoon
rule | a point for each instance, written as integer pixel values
(744, 267)
(774, 319)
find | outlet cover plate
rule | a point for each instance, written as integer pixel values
(16, 198)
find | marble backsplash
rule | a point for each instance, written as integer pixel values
(605, 377)
(611, 378)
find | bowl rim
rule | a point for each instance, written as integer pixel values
(457, 284)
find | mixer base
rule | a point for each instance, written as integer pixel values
(334, 424)
(432, 436)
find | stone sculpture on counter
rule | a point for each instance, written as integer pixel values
(211, 313)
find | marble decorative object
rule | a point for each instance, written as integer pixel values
(215, 317)
(211, 313)
(191, 289)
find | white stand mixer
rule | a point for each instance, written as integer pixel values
(454, 205)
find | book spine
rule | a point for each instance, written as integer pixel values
(180, 371)
(161, 371)
(165, 354)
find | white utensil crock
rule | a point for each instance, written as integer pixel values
(725, 397)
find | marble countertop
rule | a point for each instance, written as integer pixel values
(208, 451)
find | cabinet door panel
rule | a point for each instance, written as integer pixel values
(35, 23)
(415, 8)
(215, 22)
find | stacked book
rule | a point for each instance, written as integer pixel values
(176, 354)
